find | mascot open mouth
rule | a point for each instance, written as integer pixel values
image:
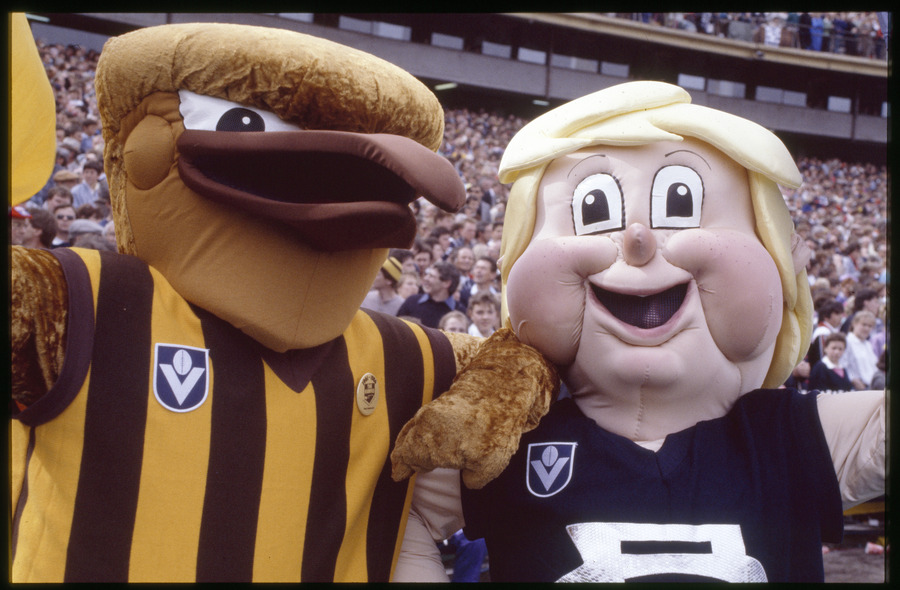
(649, 311)
(303, 180)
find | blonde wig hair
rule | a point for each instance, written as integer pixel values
(639, 113)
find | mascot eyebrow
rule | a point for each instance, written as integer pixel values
(588, 159)
(692, 153)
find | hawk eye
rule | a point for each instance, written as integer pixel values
(240, 119)
(209, 113)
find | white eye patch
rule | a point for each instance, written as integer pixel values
(598, 205)
(207, 113)
(676, 199)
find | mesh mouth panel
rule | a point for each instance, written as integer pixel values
(644, 312)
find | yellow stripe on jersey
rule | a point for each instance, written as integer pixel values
(92, 262)
(369, 444)
(167, 524)
(18, 454)
(283, 507)
(428, 362)
(53, 474)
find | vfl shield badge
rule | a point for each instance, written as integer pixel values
(181, 376)
(549, 467)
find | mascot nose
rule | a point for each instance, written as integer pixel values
(639, 245)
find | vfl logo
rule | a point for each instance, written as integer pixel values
(181, 377)
(549, 467)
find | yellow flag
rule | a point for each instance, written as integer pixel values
(32, 115)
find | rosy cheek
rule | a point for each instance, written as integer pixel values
(739, 286)
(546, 292)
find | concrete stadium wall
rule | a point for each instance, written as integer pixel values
(528, 79)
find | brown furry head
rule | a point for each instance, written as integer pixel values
(313, 82)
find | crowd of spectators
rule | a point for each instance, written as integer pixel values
(73, 207)
(840, 210)
(860, 34)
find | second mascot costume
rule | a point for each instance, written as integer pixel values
(649, 253)
(214, 406)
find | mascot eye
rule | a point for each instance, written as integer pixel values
(597, 205)
(240, 119)
(207, 113)
(676, 198)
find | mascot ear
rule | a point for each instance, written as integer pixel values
(800, 252)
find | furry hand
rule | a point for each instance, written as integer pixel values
(475, 427)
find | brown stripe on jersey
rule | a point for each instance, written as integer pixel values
(335, 395)
(444, 361)
(23, 497)
(236, 455)
(404, 380)
(106, 499)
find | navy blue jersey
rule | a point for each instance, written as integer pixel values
(747, 497)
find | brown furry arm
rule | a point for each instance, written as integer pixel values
(38, 313)
(502, 392)
(465, 347)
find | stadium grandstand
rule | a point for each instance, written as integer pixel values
(493, 72)
(820, 81)
(822, 103)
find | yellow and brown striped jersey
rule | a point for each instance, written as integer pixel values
(175, 448)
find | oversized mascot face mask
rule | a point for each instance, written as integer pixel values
(265, 173)
(645, 281)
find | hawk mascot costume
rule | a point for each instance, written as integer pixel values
(210, 403)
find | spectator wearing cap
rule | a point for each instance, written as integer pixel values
(19, 225)
(44, 224)
(65, 216)
(66, 179)
(88, 191)
(72, 144)
(84, 233)
(80, 228)
(383, 297)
